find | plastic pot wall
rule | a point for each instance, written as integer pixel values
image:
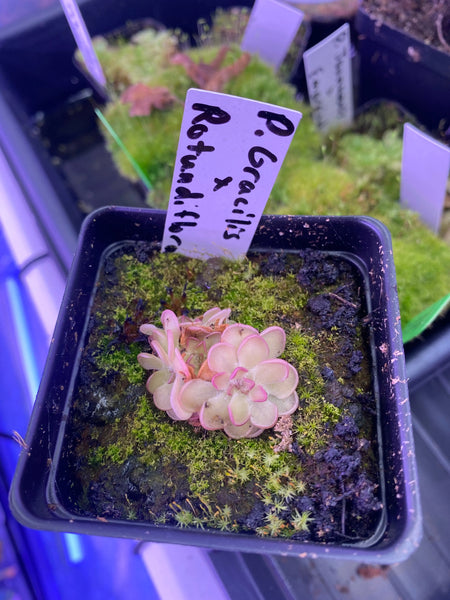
(396, 66)
(365, 242)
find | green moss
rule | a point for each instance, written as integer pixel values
(121, 359)
(347, 172)
(317, 416)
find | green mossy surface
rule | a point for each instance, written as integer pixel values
(346, 172)
(125, 459)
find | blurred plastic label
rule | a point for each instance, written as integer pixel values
(271, 29)
(329, 80)
(229, 154)
(83, 40)
(425, 168)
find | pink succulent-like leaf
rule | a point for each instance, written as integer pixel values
(194, 393)
(173, 415)
(220, 381)
(258, 394)
(214, 413)
(236, 333)
(238, 408)
(156, 380)
(194, 346)
(149, 361)
(179, 365)
(263, 414)
(175, 404)
(270, 371)
(210, 314)
(238, 373)
(284, 388)
(285, 406)
(216, 314)
(211, 339)
(154, 333)
(170, 345)
(222, 357)
(252, 351)
(276, 340)
(160, 351)
(236, 432)
(170, 323)
(161, 396)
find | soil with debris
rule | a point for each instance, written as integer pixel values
(337, 487)
(426, 20)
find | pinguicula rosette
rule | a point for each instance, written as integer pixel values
(219, 374)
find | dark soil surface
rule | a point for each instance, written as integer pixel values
(315, 478)
(427, 20)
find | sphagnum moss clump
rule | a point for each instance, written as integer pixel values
(173, 473)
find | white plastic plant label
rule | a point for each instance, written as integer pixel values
(229, 154)
(83, 40)
(329, 80)
(425, 171)
(271, 29)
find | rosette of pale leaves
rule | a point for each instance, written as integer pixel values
(218, 374)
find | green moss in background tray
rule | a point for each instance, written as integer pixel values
(346, 173)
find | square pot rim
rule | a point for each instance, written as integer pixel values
(393, 550)
(397, 40)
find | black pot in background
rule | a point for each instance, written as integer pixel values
(396, 66)
(363, 241)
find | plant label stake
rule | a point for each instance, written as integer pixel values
(229, 154)
(83, 40)
(271, 29)
(329, 80)
(425, 168)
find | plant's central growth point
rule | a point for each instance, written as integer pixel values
(219, 374)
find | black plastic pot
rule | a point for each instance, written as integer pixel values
(397, 66)
(34, 496)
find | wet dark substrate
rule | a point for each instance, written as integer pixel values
(340, 491)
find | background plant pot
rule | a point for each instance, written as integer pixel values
(397, 66)
(68, 157)
(365, 242)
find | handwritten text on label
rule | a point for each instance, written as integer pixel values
(229, 155)
(329, 79)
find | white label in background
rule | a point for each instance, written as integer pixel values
(229, 154)
(271, 29)
(425, 170)
(329, 79)
(83, 40)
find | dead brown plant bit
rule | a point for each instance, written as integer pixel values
(284, 431)
(19, 439)
(211, 76)
(143, 99)
(218, 81)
